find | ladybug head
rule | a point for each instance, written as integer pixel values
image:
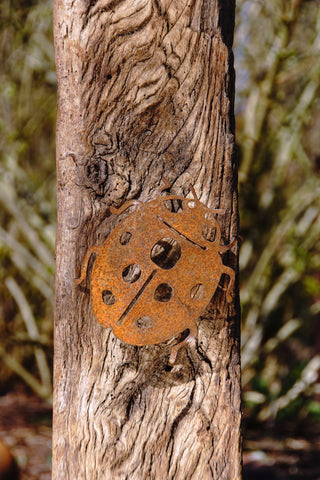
(210, 229)
(190, 218)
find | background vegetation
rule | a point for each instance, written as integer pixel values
(277, 48)
(278, 113)
(27, 193)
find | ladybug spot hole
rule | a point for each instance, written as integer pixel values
(108, 297)
(191, 204)
(196, 291)
(125, 238)
(166, 253)
(163, 292)
(143, 323)
(174, 206)
(209, 233)
(131, 273)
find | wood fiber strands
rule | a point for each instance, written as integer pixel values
(145, 93)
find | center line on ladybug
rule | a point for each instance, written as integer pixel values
(136, 298)
(158, 270)
(181, 234)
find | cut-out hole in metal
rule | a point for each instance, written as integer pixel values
(166, 253)
(196, 291)
(131, 273)
(191, 204)
(144, 322)
(174, 206)
(108, 297)
(163, 292)
(125, 238)
(209, 233)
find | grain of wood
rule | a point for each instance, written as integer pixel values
(145, 92)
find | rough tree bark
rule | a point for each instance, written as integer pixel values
(145, 92)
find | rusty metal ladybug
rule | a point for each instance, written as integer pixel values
(158, 270)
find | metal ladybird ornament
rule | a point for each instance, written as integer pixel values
(158, 270)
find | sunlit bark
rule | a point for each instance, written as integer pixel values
(145, 93)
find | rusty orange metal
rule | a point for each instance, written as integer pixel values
(158, 270)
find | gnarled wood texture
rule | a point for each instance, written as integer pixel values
(145, 92)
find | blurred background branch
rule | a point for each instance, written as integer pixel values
(277, 51)
(27, 194)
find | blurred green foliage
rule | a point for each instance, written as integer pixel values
(27, 192)
(278, 112)
(277, 50)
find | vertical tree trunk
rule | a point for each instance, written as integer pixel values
(145, 92)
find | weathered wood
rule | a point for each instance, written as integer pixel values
(145, 92)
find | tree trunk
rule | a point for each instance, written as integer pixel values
(145, 93)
